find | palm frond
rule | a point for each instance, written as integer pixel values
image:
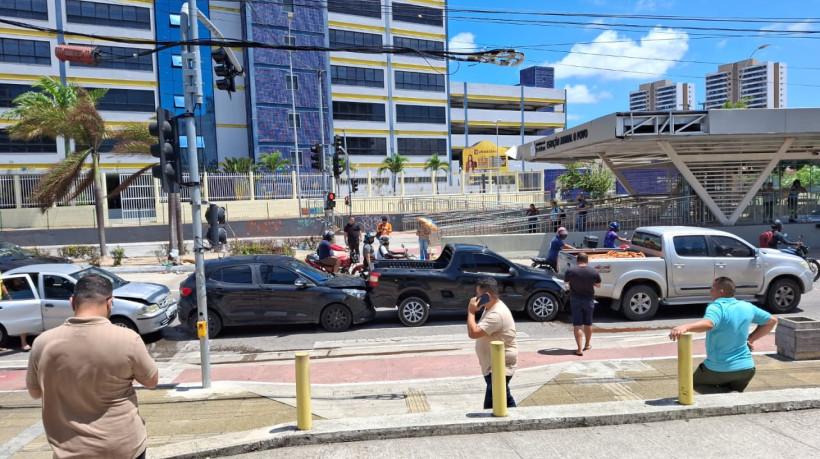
(56, 183)
(133, 138)
(86, 180)
(127, 182)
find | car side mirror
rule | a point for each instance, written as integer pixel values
(300, 283)
(512, 271)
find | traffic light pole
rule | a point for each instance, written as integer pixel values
(192, 86)
(322, 142)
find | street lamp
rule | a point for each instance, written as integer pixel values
(497, 164)
(743, 70)
(295, 128)
(758, 49)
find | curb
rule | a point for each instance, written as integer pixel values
(150, 269)
(519, 419)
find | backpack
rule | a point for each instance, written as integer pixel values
(766, 239)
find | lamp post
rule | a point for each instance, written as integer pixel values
(295, 128)
(497, 164)
(742, 71)
(758, 49)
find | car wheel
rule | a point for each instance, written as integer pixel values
(413, 311)
(336, 318)
(640, 303)
(214, 323)
(4, 337)
(543, 307)
(783, 296)
(124, 323)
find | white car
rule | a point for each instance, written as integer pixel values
(40, 300)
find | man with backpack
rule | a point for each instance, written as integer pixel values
(773, 238)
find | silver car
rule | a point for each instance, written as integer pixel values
(40, 300)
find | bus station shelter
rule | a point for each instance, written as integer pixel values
(724, 155)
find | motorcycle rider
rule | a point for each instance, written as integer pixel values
(325, 253)
(778, 237)
(384, 249)
(556, 245)
(612, 236)
(368, 253)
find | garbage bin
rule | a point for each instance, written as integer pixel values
(591, 241)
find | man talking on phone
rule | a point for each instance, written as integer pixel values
(496, 324)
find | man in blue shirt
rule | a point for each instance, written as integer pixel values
(556, 245)
(612, 236)
(325, 253)
(729, 344)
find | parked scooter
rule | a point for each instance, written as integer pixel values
(802, 251)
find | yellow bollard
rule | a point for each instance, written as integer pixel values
(499, 378)
(303, 415)
(685, 387)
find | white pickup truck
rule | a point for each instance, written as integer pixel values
(680, 263)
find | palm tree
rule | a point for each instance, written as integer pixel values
(243, 165)
(434, 165)
(273, 161)
(395, 164)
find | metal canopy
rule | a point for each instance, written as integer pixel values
(725, 155)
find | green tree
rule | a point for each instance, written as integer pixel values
(243, 165)
(808, 175)
(588, 176)
(742, 103)
(273, 161)
(434, 164)
(394, 164)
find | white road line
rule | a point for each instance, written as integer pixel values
(21, 440)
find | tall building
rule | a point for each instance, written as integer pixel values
(762, 84)
(662, 95)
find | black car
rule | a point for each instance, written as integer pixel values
(13, 256)
(274, 289)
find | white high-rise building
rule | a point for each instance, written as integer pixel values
(763, 85)
(662, 95)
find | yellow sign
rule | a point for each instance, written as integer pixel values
(484, 156)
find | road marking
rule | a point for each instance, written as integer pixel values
(21, 440)
(416, 401)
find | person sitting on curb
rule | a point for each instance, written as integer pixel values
(728, 363)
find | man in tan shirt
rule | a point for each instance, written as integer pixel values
(496, 324)
(84, 371)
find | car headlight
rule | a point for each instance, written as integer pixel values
(148, 309)
(358, 294)
(561, 285)
(805, 264)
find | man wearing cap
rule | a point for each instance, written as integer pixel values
(556, 245)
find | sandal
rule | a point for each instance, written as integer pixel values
(26, 348)
(579, 353)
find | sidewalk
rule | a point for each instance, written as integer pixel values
(359, 397)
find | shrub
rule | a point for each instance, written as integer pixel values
(259, 247)
(79, 252)
(118, 254)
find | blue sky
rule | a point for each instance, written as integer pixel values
(599, 59)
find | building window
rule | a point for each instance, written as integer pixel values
(290, 40)
(403, 12)
(356, 76)
(421, 45)
(287, 6)
(367, 146)
(367, 8)
(174, 19)
(297, 118)
(420, 81)
(358, 111)
(348, 39)
(116, 57)
(422, 147)
(127, 100)
(420, 114)
(179, 101)
(25, 9)
(7, 145)
(109, 15)
(8, 92)
(292, 81)
(25, 51)
(176, 60)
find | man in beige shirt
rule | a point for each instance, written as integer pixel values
(84, 370)
(496, 324)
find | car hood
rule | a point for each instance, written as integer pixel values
(346, 281)
(145, 292)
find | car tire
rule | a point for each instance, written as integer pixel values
(815, 268)
(783, 296)
(214, 323)
(543, 307)
(640, 303)
(125, 323)
(4, 337)
(413, 311)
(336, 318)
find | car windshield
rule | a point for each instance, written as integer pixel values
(310, 272)
(116, 281)
(11, 250)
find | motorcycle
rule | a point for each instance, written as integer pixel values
(802, 251)
(347, 266)
(397, 255)
(542, 263)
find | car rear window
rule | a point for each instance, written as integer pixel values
(690, 246)
(233, 275)
(650, 241)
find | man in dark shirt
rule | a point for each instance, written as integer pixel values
(325, 253)
(778, 237)
(557, 244)
(582, 280)
(353, 233)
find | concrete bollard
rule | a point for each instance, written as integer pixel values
(499, 378)
(685, 385)
(303, 415)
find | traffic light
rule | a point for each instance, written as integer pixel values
(169, 170)
(317, 157)
(338, 142)
(216, 235)
(337, 165)
(330, 201)
(354, 185)
(224, 68)
(347, 200)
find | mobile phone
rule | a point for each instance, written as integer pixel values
(483, 299)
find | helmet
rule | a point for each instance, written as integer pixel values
(615, 226)
(369, 237)
(562, 232)
(777, 224)
(384, 239)
(327, 235)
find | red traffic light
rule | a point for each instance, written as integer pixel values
(331, 196)
(347, 200)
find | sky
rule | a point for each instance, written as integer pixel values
(603, 49)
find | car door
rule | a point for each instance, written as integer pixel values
(234, 294)
(736, 260)
(20, 309)
(691, 270)
(56, 291)
(484, 265)
(281, 300)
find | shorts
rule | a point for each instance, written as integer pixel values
(581, 311)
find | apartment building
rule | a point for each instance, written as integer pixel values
(763, 85)
(663, 95)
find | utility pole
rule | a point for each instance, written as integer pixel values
(322, 142)
(295, 127)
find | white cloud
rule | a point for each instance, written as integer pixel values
(574, 117)
(581, 94)
(463, 42)
(721, 44)
(608, 56)
(804, 26)
(652, 5)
